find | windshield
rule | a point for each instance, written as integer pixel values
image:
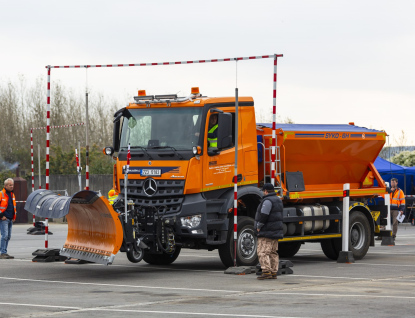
(162, 127)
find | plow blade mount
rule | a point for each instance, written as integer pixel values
(95, 232)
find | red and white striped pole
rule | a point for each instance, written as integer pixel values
(274, 118)
(235, 183)
(127, 169)
(78, 170)
(47, 151)
(33, 170)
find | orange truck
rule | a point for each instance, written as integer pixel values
(180, 187)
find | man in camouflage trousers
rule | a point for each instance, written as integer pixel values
(268, 222)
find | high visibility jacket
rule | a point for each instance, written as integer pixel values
(5, 202)
(397, 200)
(213, 142)
(112, 198)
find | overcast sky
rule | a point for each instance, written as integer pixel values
(343, 60)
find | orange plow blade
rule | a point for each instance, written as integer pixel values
(95, 232)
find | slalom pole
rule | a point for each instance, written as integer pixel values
(47, 150)
(235, 182)
(33, 170)
(78, 170)
(274, 116)
(127, 168)
(40, 174)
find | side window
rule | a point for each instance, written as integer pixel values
(213, 125)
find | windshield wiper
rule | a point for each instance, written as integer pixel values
(169, 147)
(141, 148)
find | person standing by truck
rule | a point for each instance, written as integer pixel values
(397, 204)
(268, 222)
(7, 216)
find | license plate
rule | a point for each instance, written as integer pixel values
(151, 172)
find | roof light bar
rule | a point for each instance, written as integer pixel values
(148, 97)
(166, 96)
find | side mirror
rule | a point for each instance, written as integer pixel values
(116, 136)
(224, 130)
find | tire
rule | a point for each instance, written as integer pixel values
(359, 235)
(135, 256)
(161, 259)
(359, 238)
(288, 249)
(246, 244)
(331, 248)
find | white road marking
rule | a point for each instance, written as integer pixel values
(338, 295)
(119, 285)
(106, 309)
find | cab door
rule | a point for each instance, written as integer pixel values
(218, 169)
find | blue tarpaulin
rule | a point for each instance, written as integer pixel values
(405, 175)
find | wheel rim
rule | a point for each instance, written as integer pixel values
(137, 255)
(247, 244)
(357, 235)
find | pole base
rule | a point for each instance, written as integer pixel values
(387, 241)
(345, 257)
(240, 270)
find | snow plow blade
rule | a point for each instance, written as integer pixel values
(95, 232)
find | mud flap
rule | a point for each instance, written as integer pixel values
(95, 232)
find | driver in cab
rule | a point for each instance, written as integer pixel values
(213, 131)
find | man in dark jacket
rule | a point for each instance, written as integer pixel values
(268, 222)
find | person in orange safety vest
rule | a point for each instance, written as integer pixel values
(112, 195)
(397, 205)
(7, 216)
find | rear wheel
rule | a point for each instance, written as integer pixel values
(359, 238)
(288, 249)
(331, 248)
(246, 245)
(161, 259)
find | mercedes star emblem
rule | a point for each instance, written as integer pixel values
(150, 187)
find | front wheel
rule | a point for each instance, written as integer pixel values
(246, 244)
(161, 259)
(135, 256)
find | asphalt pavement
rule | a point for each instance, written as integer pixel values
(380, 285)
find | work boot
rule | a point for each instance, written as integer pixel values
(9, 256)
(274, 275)
(3, 256)
(265, 275)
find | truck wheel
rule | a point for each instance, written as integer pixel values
(288, 249)
(359, 235)
(359, 238)
(246, 244)
(331, 248)
(161, 259)
(135, 256)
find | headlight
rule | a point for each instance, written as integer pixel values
(191, 221)
(197, 150)
(108, 151)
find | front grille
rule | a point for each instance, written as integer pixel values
(169, 194)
